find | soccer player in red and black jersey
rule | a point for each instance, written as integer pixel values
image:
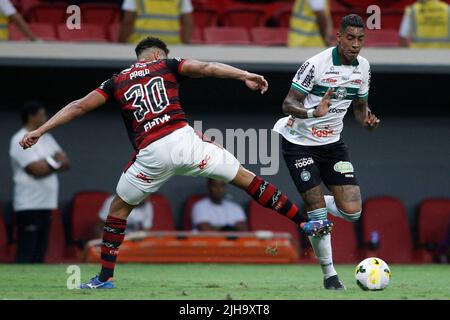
(166, 145)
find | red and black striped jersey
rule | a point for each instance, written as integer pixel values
(148, 96)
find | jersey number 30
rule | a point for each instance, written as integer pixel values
(150, 96)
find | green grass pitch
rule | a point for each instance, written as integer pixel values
(219, 281)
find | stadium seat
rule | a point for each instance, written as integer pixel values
(245, 17)
(269, 36)
(391, 19)
(226, 36)
(282, 16)
(162, 213)
(387, 216)
(87, 33)
(197, 36)
(102, 14)
(260, 218)
(84, 215)
(381, 38)
(432, 226)
(48, 13)
(43, 31)
(344, 241)
(113, 32)
(5, 255)
(205, 17)
(56, 241)
(187, 215)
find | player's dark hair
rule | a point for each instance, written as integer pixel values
(351, 20)
(30, 108)
(151, 42)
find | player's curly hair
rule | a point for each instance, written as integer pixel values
(151, 42)
(351, 20)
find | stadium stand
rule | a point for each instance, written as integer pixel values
(344, 241)
(282, 15)
(260, 218)
(226, 36)
(84, 215)
(264, 36)
(381, 38)
(187, 213)
(387, 216)
(432, 225)
(246, 17)
(48, 13)
(113, 32)
(197, 36)
(88, 32)
(162, 216)
(44, 31)
(205, 17)
(101, 14)
(4, 247)
(56, 249)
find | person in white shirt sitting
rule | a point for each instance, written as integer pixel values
(140, 219)
(217, 213)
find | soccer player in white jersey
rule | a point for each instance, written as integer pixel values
(323, 89)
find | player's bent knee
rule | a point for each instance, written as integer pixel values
(350, 214)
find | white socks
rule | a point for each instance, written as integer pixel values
(335, 211)
(322, 246)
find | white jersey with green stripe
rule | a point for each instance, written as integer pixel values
(313, 79)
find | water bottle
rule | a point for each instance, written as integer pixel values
(374, 240)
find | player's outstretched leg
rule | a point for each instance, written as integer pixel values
(267, 195)
(113, 235)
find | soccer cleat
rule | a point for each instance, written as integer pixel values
(317, 228)
(95, 283)
(333, 283)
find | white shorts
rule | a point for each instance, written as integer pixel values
(182, 152)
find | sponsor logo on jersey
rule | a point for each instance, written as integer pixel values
(309, 78)
(143, 177)
(322, 133)
(356, 81)
(305, 175)
(139, 73)
(343, 167)
(157, 121)
(204, 162)
(300, 163)
(302, 69)
(329, 80)
(331, 71)
(336, 110)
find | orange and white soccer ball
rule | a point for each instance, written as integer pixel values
(372, 274)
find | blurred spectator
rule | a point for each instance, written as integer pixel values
(140, 219)
(35, 185)
(216, 213)
(426, 24)
(310, 24)
(7, 11)
(169, 20)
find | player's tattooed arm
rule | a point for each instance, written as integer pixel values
(293, 105)
(71, 111)
(196, 69)
(364, 115)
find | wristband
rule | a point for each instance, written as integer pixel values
(52, 163)
(310, 113)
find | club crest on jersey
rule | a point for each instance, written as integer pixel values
(340, 93)
(305, 175)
